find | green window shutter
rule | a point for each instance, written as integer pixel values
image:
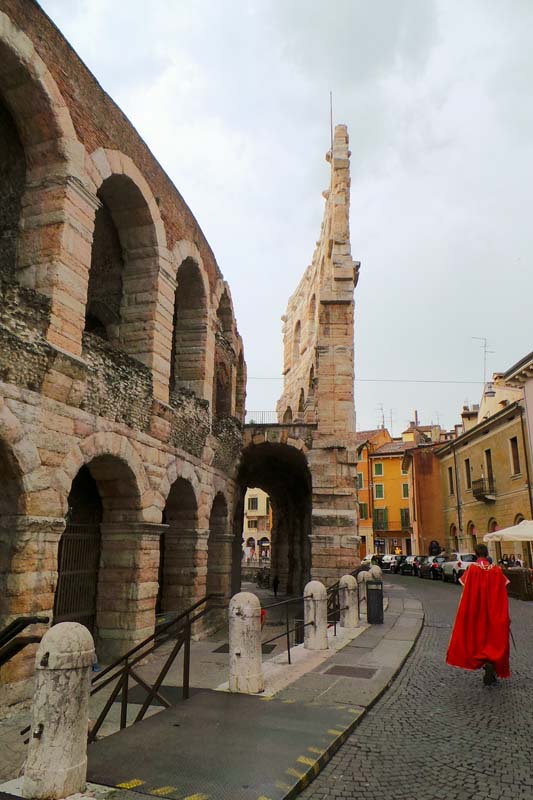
(375, 519)
(385, 520)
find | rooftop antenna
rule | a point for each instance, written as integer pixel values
(380, 409)
(390, 419)
(485, 349)
(331, 120)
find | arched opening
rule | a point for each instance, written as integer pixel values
(472, 534)
(296, 340)
(301, 402)
(187, 363)
(287, 417)
(103, 563)
(179, 552)
(311, 316)
(219, 553)
(454, 539)
(225, 315)
(311, 383)
(79, 554)
(122, 277)
(12, 184)
(222, 401)
(282, 473)
(240, 390)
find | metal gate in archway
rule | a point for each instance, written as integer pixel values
(78, 561)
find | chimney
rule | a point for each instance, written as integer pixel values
(416, 418)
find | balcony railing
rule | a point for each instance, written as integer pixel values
(484, 489)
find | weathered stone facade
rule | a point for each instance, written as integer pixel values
(122, 375)
(317, 536)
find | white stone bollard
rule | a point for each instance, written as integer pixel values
(362, 578)
(315, 611)
(376, 572)
(56, 765)
(348, 601)
(245, 657)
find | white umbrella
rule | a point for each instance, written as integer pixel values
(523, 532)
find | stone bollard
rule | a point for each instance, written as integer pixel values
(315, 611)
(376, 572)
(348, 601)
(56, 765)
(362, 578)
(245, 657)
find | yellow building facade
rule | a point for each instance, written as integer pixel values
(485, 474)
(256, 534)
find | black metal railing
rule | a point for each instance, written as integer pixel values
(10, 641)
(483, 488)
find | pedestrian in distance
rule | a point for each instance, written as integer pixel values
(275, 585)
(480, 636)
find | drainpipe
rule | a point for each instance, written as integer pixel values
(529, 488)
(457, 493)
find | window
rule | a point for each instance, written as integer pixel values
(363, 510)
(380, 519)
(450, 480)
(404, 517)
(252, 523)
(488, 464)
(360, 480)
(378, 469)
(405, 490)
(379, 491)
(405, 471)
(268, 505)
(515, 456)
(468, 474)
(252, 504)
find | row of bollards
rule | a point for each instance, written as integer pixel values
(245, 655)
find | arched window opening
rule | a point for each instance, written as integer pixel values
(124, 253)
(225, 315)
(296, 343)
(493, 525)
(518, 519)
(187, 362)
(222, 402)
(311, 383)
(218, 552)
(454, 539)
(12, 184)
(287, 417)
(301, 402)
(240, 391)
(472, 533)
(311, 319)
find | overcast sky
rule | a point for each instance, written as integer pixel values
(232, 96)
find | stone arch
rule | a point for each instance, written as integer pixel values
(492, 525)
(518, 519)
(11, 508)
(287, 416)
(311, 317)
(177, 468)
(225, 320)
(453, 537)
(282, 471)
(222, 400)
(190, 325)
(225, 358)
(106, 448)
(301, 402)
(240, 389)
(219, 552)
(180, 549)
(311, 382)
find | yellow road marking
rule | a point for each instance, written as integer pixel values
(294, 773)
(335, 732)
(281, 785)
(197, 797)
(163, 790)
(263, 797)
(288, 702)
(352, 711)
(316, 750)
(306, 760)
(130, 784)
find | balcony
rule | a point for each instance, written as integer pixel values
(484, 489)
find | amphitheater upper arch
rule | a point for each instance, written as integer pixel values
(105, 163)
(108, 445)
(31, 93)
(185, 250)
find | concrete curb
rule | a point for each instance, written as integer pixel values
(316, 768)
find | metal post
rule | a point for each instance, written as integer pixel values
(186, 660)
(288, 635)
(124, 698)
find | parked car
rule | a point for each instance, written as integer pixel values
(407, 567)
(431, 567)
(376, 557)
(396, 564)
(386, 562)
(456, 565)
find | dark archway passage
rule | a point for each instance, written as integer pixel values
(178, 549)
(281, 471)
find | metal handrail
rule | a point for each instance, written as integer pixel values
(17, 625)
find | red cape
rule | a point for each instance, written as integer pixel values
(481, 629)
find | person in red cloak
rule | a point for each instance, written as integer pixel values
(480, 636)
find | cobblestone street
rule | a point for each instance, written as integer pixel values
(438, 733)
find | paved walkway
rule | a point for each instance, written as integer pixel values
(439, 733)
(219, 745)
